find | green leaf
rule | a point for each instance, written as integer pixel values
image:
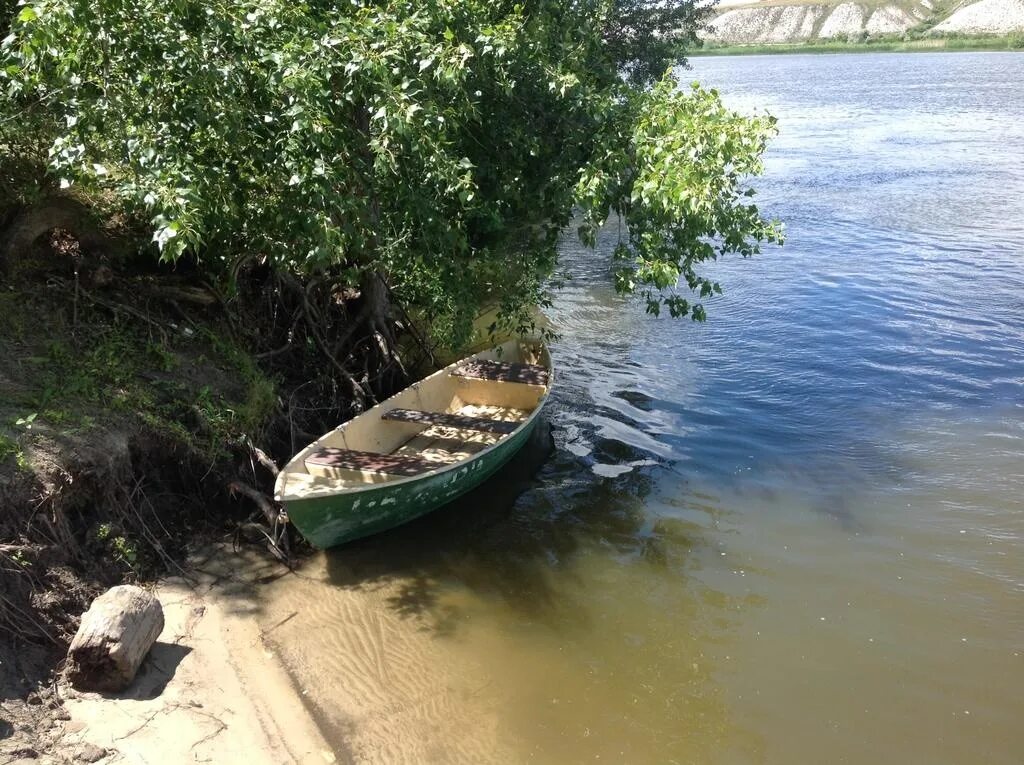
(375, 138)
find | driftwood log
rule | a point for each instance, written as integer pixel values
(115, 635)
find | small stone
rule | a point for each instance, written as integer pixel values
(62, 714)
(90, 753)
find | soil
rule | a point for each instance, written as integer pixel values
(110, 471)
(138, 407)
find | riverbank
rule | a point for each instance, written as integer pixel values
(338, 659)
(924, 45)
(131, 403)
(135, 409)
(211, 689)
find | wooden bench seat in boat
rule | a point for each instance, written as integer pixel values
(502, 371)
(460, 421)
(370, 462)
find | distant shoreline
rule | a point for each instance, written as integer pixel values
(944, 44)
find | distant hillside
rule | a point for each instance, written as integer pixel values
(761, 22)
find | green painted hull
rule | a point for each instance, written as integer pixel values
(335, 519)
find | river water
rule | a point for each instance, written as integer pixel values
(794, 534)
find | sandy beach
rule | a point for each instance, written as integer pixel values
(209, 691)
(260, 665)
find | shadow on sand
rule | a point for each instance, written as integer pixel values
(156, 672)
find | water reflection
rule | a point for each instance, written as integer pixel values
(793, 534)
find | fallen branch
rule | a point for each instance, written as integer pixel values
(276, 547)
(15, 549)
(39, 628)
(195, 295)
(262, 458)
(263, 502)
(112, 305)
(276, 517)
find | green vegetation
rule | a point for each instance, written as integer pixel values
(9, 447)
(122, 549)
(121, 368)
(214, 212)
(438, 148)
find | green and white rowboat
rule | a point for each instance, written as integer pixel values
(420, 449)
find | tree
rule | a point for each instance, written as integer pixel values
(7, 12)
(675, 178)
(25, 135)
(431, 149)
(644, 36)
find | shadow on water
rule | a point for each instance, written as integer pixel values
(507, 538)
(585, 608)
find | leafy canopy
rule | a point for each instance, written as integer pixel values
(644, 36)
(440, 144)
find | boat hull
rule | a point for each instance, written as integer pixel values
(331, 520)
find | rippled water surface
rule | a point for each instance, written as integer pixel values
(794, 534)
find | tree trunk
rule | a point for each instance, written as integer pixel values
(115, 635)
(33, 222)
(384, 364)
(376, 301)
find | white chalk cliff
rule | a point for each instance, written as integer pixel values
(748, 22)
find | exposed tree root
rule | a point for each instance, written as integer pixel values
(276, 530)
(56, 212)
(123, 501)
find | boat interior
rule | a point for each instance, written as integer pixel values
(444, 419)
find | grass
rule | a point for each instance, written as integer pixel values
(199, 389)
(9, 447)
(11, 450)
(895, 45)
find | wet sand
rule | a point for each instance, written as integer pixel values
(211, 689)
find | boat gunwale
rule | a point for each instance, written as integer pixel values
(320, 492)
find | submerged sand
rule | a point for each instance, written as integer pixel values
(367, 659)
(259, 665)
